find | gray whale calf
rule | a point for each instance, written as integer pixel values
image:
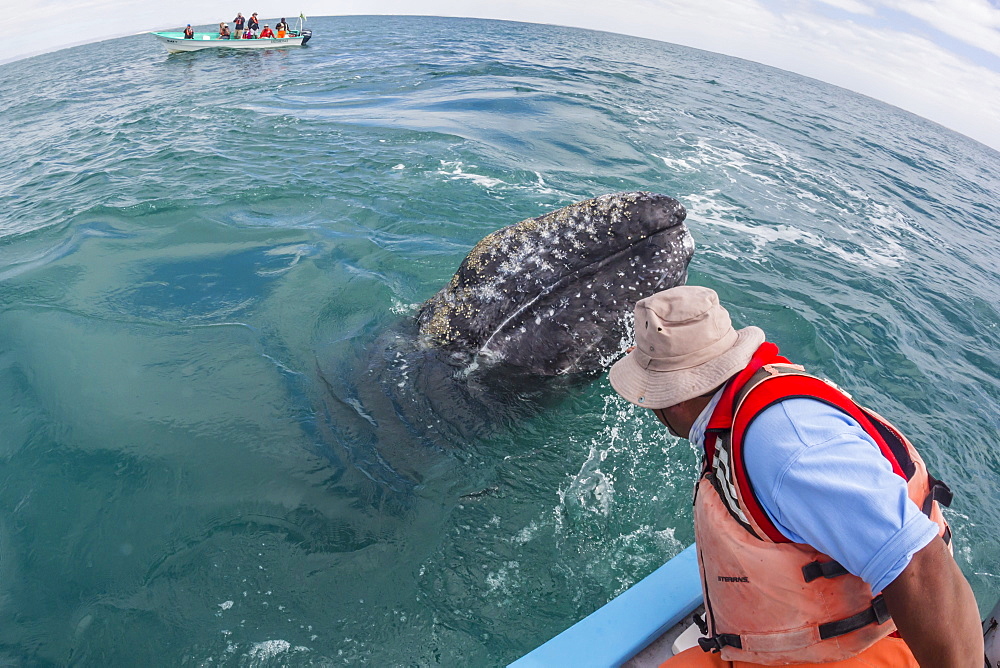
(534, 307)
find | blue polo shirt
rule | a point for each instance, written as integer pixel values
(823, 482)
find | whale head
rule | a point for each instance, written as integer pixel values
(553, 295)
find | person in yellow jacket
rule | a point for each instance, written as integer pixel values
(819, 529)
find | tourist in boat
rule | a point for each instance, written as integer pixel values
(223, 31)
(266, 32)
(189, 32)
(249, 34)
(818, 528)
(252, 22)
(238, 24)
(281, 28)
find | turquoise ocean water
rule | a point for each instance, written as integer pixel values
(188, 241)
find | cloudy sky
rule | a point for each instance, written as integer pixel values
(939, 59)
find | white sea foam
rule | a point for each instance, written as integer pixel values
(526, 534)
(501, 579)
(269, 649)
(704, 210)
(456, 170)
(399, 308)
(677, 164)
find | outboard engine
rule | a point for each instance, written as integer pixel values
(306, 36)
(991, 637)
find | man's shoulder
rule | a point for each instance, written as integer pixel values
(805, 438)
(803, 419)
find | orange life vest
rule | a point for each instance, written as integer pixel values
(768, 600)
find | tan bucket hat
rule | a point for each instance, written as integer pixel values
(685, 346)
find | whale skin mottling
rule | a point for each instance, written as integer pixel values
(553, 294)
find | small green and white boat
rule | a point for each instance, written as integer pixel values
(175, 42)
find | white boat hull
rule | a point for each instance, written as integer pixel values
(175, 42)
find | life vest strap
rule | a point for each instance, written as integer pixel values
(878, 613)
(940, 492)
(823, 569)
(700, 622)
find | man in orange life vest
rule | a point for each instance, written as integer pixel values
(820, 536)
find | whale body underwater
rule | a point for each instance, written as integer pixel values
(535, 307)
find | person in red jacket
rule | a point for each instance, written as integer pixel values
(266, 32)
(189, 32)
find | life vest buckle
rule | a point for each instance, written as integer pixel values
(709, 644)
(717, 642)
(881, 610)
